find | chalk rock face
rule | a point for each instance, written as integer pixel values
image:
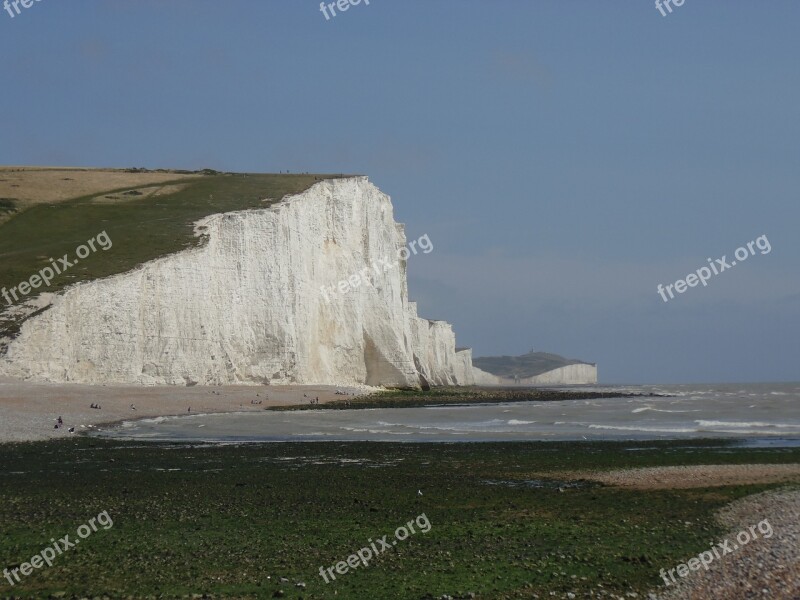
(566, 375)
(435, 356)
(576, 374)
(261, 301)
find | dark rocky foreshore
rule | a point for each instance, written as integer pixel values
(256, 520)
(461, 395)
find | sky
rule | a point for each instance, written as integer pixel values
(564, 158)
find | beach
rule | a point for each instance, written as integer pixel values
(521, 506)
(28, 411)
(764, 568)
(753, 414)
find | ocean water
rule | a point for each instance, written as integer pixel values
(766, 414)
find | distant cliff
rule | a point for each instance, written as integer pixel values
(534, 368)
(247, 307)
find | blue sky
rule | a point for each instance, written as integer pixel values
(564, 157)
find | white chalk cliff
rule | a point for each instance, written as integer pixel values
(577, 374)
(246, 307)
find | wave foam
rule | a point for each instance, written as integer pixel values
(647, 429)
(745, 424)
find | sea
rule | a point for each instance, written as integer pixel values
(763, 414)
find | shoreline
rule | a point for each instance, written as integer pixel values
(28, 411)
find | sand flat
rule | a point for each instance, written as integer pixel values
(28, 411)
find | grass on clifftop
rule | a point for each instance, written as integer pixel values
(141, 229)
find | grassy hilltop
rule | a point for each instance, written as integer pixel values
(46, 213)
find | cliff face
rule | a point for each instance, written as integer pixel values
(435, 357)
(576, 374)
(533, 368)
(248, 307)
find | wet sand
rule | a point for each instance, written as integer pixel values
(28, 411)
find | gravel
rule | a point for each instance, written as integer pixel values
(763, 568)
